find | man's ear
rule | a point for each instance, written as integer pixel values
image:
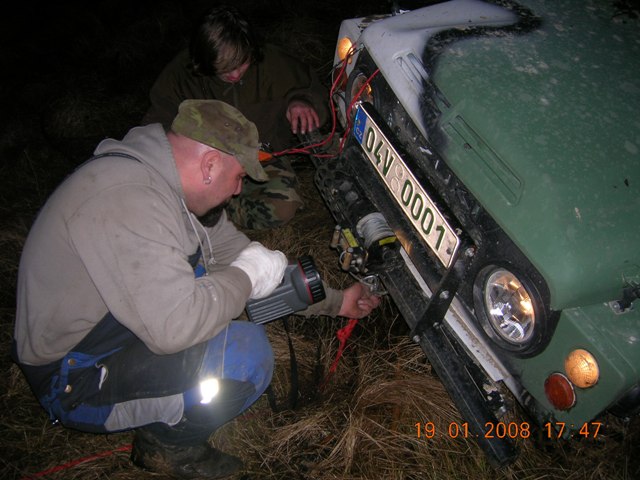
(207, 161)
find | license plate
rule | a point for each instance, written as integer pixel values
(406, 190)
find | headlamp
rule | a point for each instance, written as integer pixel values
(509, 307)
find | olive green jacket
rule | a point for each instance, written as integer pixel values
(263, 94)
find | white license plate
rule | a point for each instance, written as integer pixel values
(407, 192)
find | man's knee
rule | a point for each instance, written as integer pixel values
(265, 211)
(282, 211)
(269, 204)
(241, 352)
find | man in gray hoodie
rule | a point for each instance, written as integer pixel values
(126, 300)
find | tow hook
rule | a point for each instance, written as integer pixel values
(373, 283)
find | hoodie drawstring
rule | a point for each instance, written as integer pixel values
(194, 224)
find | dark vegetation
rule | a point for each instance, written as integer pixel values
(78, 72)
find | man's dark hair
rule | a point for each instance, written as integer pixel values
(222, 41)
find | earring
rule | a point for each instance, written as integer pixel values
(207, 180)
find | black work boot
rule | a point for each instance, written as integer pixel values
(181, 461)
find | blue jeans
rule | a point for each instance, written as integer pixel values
(112, 382)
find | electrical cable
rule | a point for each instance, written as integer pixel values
(73, 463)
(343, 335)
(334, 85)
(308, 149)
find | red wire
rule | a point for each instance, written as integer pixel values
(307, 149)
(333, 112)
(73, 463)
(343, 335)
(353, 102)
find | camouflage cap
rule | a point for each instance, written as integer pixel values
(222, 127)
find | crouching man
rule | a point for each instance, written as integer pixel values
(126, 296)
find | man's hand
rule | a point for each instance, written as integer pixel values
(358, 302)
(302, 117)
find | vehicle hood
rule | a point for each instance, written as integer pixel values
(541, 123)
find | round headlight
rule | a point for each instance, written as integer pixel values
(511, 304)
(508, 307)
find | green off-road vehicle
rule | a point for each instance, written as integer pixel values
(490, 182)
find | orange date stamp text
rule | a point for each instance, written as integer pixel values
(512, 430)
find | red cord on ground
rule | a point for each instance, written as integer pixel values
(73, 463)
(343, 335)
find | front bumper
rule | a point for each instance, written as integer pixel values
(439, 322)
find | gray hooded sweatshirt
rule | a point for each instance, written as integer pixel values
(116, 236)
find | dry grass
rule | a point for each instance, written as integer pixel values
(91, 81)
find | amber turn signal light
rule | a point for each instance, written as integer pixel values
(582, 368)
(343, 48)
